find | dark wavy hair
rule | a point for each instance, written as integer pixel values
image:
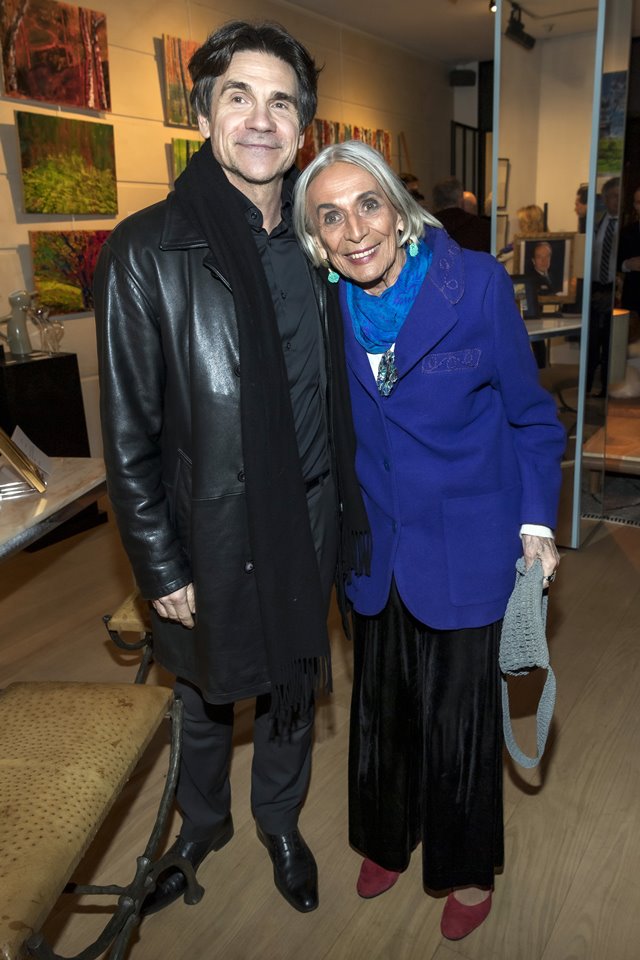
(214, 56)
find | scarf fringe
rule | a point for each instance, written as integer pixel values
(293, 693)
(357, 548)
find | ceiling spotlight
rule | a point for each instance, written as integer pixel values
(493, 6)
(515, 29)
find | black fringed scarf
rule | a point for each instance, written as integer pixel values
(285, 565)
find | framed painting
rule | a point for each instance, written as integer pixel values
(524, 290)
(68, 166)
(547, 259)
(177, 81)
(64, 262)
(55, 52)
(181, 152)
(503, 183)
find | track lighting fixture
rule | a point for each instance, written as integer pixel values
(515, 29)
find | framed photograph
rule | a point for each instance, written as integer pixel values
(20, 462)
(547, 258)
(503, 183)
(524, 290)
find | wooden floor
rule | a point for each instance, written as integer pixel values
(571, 884)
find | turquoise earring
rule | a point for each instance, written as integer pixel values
(413, 247)
(332, 277)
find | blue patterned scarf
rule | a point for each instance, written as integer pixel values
(377, 320)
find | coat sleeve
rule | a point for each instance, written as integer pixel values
(132, 375)
(538, 436)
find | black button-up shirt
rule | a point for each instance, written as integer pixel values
(298, 321)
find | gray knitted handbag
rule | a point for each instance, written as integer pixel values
(523, 647)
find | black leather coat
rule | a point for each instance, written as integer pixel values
(160, 298)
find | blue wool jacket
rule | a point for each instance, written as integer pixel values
(466, 448)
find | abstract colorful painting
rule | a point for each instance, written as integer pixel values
(181, 153)
(64, 262)
(177, 82)
(322, 133)
(68, 166)
(55, 52)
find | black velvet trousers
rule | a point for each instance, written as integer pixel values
(425, 754)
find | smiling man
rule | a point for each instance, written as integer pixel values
(225, 458)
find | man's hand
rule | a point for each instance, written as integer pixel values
(543, 548)
(179, 605)
(633, 263)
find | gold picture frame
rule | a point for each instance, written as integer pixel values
(21, 463)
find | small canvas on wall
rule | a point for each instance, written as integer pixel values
(323, 133)
(68, 166)
(177, 81)
(55, 52)
(64, 262)
(181, 152)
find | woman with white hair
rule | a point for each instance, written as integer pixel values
(458, 458)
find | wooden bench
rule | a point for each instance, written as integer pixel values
(132, 616)
(66, 751)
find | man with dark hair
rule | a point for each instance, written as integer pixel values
(467, 229)
(228, 446)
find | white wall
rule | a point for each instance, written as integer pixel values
(364, 81)
(545, 124)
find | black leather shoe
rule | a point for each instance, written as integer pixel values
(172, 883)
(294, 869)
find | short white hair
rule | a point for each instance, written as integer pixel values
(362, 155)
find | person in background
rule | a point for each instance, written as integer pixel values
(467, 229)
(470, 202)
(629, 259)
(225, 459)
(531, 220)
(582, 197)
(458, 456)
(602, 288)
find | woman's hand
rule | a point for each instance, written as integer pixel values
(544, 549)
(179, 605)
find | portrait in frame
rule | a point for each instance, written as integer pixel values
(547, 259)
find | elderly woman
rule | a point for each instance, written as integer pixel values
(458, 458)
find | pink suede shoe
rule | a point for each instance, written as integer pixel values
(374, 880)
(459, 920)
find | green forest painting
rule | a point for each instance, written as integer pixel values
(55, 52)
(68, 166)
(64, 262)
(181, 153)
(177, 82)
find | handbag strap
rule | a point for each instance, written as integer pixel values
(544, 715)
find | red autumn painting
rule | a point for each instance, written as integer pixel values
(64, 262)
(55, 52)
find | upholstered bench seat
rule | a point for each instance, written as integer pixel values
(66, 751)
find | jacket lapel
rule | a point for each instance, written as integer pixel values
(434, 312)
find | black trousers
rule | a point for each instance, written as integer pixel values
(425, 755)
(281, 767)
(599, 335)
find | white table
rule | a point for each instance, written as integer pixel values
(74, 483)
(546, 327)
